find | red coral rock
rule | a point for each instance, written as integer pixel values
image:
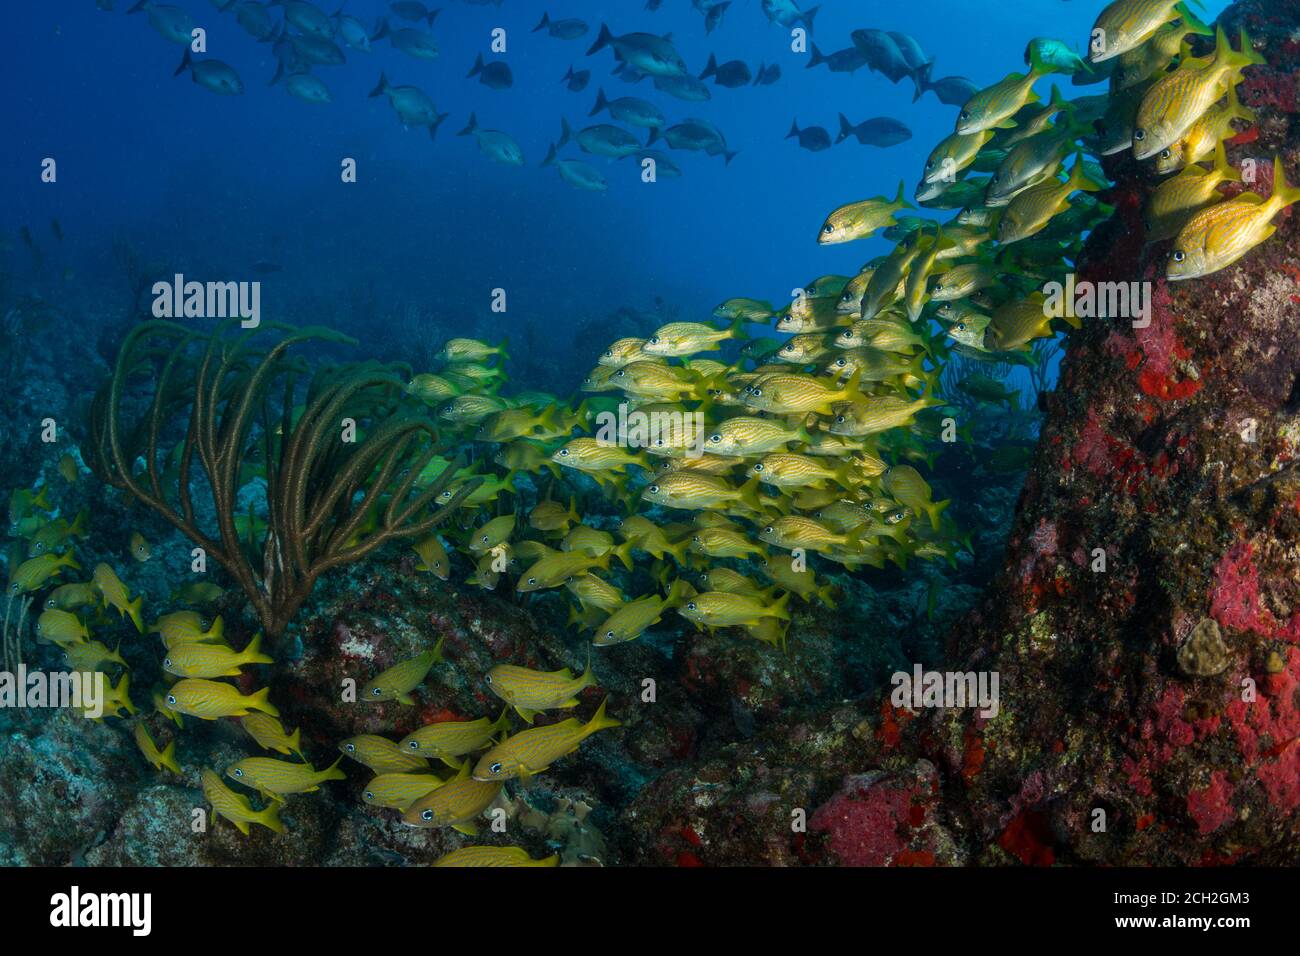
(1212, 807)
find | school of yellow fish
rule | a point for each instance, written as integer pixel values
(728, 481)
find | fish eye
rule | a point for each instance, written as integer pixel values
(237, 772)
(715, 437)
(654, 339)
(965, 115)
(426, 815)
(495, 768)
(1165, 154)
(1179, 255)
(1139, 134)
(696, 539)
(485, 539)
(653, 489)
(691, 606)
(532, 580)
(759, 466)
(609, 634)
(768, 530)
(564, 453)
(167, 661)
(370, 795)
(828, 228)
(50, 603)
(171, 698)
(350, 748)
(376, 692)
(839, 419)
(415, 744)
(758, 391)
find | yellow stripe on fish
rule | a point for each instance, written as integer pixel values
(530, 691)
(533, 751)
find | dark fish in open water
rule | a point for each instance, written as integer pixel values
(812, 138)
(307, 17)
(495, 75)
(412, 105)
(494, 144)
(409, 40)
(951, 90)
(414, 10)
(695, 134)
(882, 53)
(601, 140)
(576, 82)
(645, 51)
(787, 13)
(686, 88)
(848, 60)
(171, 22)
(713, 16)
(255, 18)
(767, 75)
(731, 74)
(352, 31)
(576, 173)
(630, 110)
(882, 131)
(568, 29)
(213, 75)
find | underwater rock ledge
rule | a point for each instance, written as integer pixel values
(1164, 690)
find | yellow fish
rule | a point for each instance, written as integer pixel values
(188, 627)
(212, 699)
(690, 490)
(745, 435)
(621, 353)
(857, 220)
(115, 594)
(235, 806)
(34, 572)
(140, 549)
(687, 338)
(904, 484)
(279, 778)
(448, 739)
(1175, 200)
(68, 469)
(455, 804)
(382, 755)
(398, 681)
(1216, 237)
(68, 596)
(993, 106)
(552, 516)
(1126, 24)
(270, 733)
(433, 558)
(1031, 210)
(60, 627)
(472, 350)
(158, 759)
(494, 856)
(729, 609)
(785, 394)
(1179, 99)
(529, 691)
(117, 699)
(751, 310)
(213, 660)
(398, 791)
(532, 751)
(91, 656)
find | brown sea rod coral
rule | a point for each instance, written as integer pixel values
(341, 464)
